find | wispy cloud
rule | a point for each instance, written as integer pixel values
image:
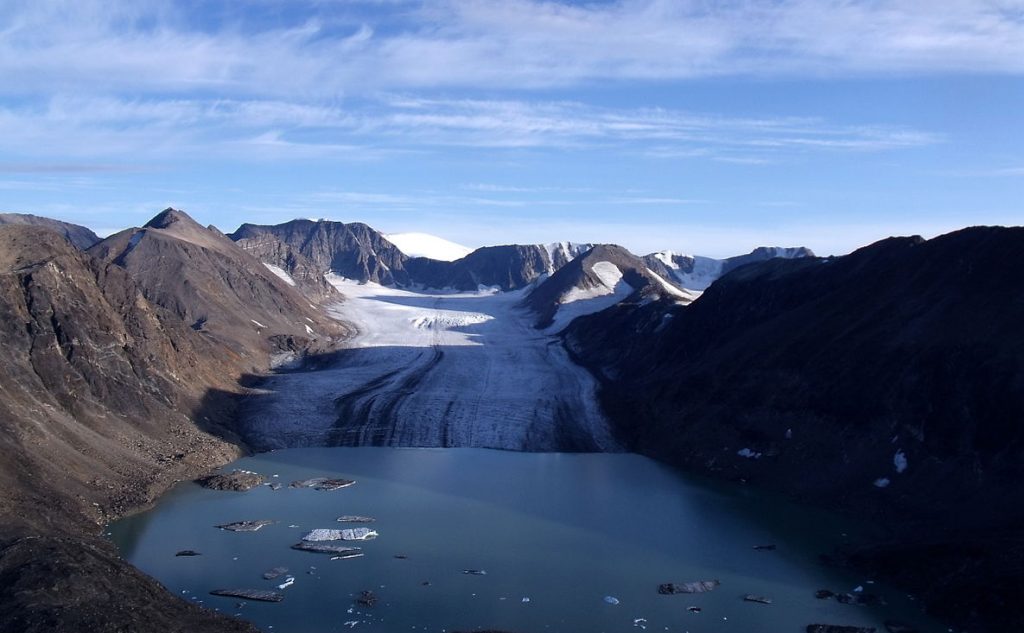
(157, 79)
(340, 49)
(103, 128)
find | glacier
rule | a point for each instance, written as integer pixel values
(433, 370)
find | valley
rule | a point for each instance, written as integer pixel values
(852, 383)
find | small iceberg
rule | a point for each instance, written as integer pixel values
(354, 518)
(244, 526)
(288, 582)
(339, 551)
(699, 586)
(347, 534)
(611, 600)
(322, 483)
(249, 594)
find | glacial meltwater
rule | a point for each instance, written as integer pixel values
(559, 542)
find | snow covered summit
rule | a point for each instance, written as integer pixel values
(426, 245)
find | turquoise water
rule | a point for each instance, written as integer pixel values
(555, 533)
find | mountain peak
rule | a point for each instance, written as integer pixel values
(170, 216)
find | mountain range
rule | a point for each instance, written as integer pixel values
(887, 383)
(305, 249)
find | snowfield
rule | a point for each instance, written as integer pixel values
(464, 369)
(426, 245)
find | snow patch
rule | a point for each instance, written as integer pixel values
(609, 277)
(133, 241)
(608, 273)
(668, 258)
(567, 250)
(257, 323)
(705, 272)
(310, 331)
(899, 460)
(670, 289)
(281, 273)
(426, 245)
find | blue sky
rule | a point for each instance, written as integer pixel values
(699, 126)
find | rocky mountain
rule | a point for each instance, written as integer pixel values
(208, 282)
(601, 277)
(507, 267)
(81, 237)
(697, 273)
(888, 383)
(301, 251)
(306, 249)
(106, 399)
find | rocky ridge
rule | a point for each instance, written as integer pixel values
(79, 236)
(695, 272)
(220, 290)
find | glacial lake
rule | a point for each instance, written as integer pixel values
(555, 533)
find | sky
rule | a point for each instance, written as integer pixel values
(701, 126)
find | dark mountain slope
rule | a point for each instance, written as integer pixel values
(103, 396)
(210, 283)
(579, 277)
(888, 383)
(79, 236)
(307, 249)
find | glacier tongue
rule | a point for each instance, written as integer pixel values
(460, 369)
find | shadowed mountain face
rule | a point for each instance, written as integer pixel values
(889, 382)
(207, 281)
(81, 237)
